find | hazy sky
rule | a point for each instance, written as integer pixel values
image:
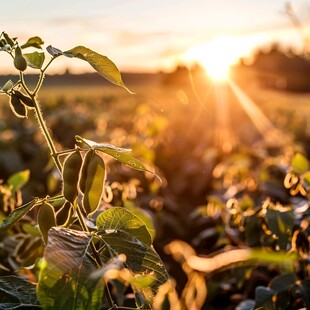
(144, 34)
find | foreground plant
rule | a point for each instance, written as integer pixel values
(91, 256)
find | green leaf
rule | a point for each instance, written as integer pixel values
(120, 219)
(117, 153)
(141, 214)
(281, 224)
(306, 179)
(247, 304)
(33, 42)
(102, 64)
(283, 282)
(127, 160)
(263, 298)
(8, 86)
(300, 163)
(18, 180)
(55, 52)
(17, 214)
(140, 258)
(65, 280)
(17, 293)
(35, 60)
(93, 144)
(253, 230)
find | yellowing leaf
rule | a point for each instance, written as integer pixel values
(102, 64)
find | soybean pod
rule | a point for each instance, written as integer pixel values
(71, 172)
(92, 181)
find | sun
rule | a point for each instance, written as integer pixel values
(216, 56)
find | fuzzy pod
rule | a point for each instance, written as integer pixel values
(20, 62)
(70, 174)
(64, 214)
(17, 107)
(25, 99)
(46, 219)
(92, 181)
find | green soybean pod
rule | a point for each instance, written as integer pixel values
(20, 62)
(64, 214)
(46, 219)
(70, 174)
(25, 99)
(17, 107)
(86, 161)
(94, 183)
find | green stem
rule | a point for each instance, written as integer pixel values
(42, 123)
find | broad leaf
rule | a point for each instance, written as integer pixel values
(65, 281)
(300, 163)
(117, 153)
(17, 293)
(33, 42)
(263, 298)
(140, 258)
(17, 214)
(35, 60)
(18, 180)
(102, 64)
(120, 219)
(283, 282)
(281, 224)
(55, 52)
(93, 144)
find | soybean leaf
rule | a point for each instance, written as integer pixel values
(127, 160)
(140, 258)
(65, 280)
(35, 60)
(17, 293)
(283, 282)
(18, 180)
(300, 163)
(17, 214)
(93, 144)
(141, 214)
(120, 219)
(281, 224)
(263, 298)
(55, 52)
(247, 304)
(102, 64)
(33, 42)
(306, 179)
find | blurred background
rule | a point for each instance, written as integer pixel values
(221, 106)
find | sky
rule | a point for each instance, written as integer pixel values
(145, 35)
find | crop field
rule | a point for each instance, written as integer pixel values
(222, 154)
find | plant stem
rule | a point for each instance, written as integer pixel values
(41, 122)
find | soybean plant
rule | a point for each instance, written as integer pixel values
(93, 252)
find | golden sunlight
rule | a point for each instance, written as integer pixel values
(216, 56)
